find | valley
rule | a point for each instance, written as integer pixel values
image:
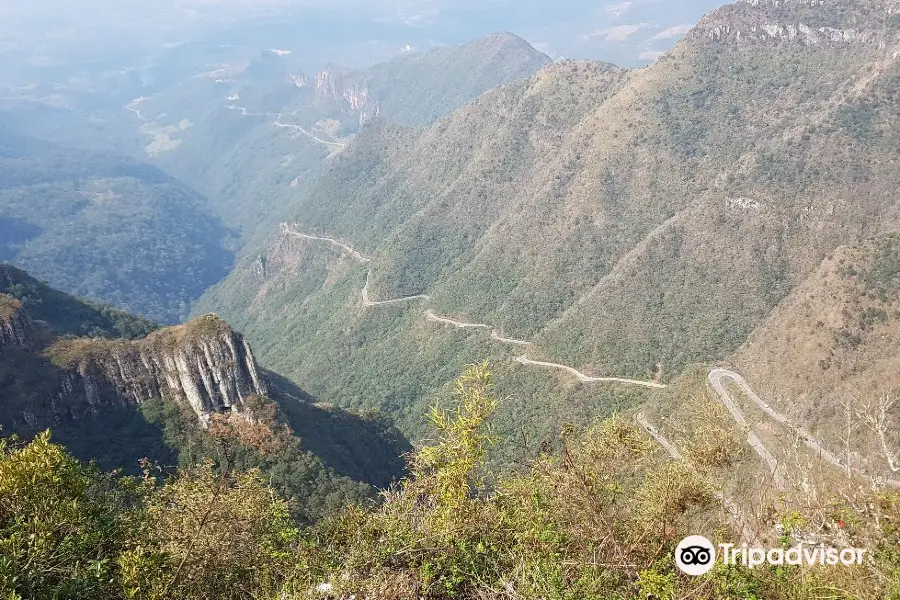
(715, 378)
(294, 313)
(652, 225)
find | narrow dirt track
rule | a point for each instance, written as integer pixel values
(585, 378)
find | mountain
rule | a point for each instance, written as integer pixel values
(101, 225)
(249, 133)
(65, 315)
(421, 87)
(700, 258)
(135, 390)
(629, 223)
(830, 347)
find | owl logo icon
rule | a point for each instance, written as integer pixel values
(695, 555)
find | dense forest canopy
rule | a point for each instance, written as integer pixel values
(105, 227)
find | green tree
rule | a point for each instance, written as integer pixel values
(61, 523)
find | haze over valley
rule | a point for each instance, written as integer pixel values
(447, 299)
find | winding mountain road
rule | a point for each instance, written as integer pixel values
(715, 379)
(332, 145)
(285, 228)
(244, 111)
(668, 446)
(430, 315)
(495, 335)
(504, 340)
(369, 303)
(132, 107)
(585, 378)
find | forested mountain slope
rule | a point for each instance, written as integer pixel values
(622, 221)
(250, 133)
(101, 225)
(132, 391)
(828, 354)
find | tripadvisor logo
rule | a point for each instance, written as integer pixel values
(696, 555)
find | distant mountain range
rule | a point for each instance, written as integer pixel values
(75, 48)
(628, 223)
(250, 134)
(103, 202)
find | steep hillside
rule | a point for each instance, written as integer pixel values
(625, 222)
(100, 225)
(65, 315)
(421, 87)
(300, 291)
(251, 133)
(118, 400)
(829, 351)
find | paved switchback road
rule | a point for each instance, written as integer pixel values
(369, 303)
(715, 379)
(332, 146)
(430, 315)
(285, 228)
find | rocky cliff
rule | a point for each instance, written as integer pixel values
(346, 93)
(46, 381)
(807, 22)
(204, 364)
(15, 325)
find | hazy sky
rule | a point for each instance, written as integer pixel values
(622, 31)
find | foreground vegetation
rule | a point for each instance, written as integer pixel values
(598, 520)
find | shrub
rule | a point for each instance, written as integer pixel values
(61, 523)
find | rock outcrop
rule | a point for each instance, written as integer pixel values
(349, 95)
(799, 21)
(15, 326)
(204, 365)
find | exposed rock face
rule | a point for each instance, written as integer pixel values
(798, 21)
(788, 32)
(203, 364)
(351, 96)
(15, 326)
